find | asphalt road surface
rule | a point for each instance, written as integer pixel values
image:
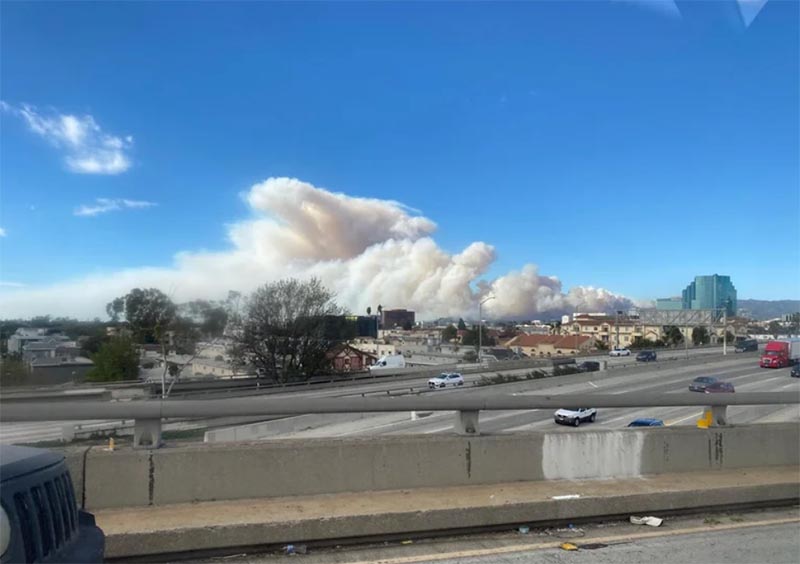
(741, 370)
(670, 373)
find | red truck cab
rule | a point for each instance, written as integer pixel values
(780, 353)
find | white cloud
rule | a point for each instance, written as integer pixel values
(105, 205)
(5, 284)
(665, 7)
(368, 251)
(2, 232)
(87, 148)
(750, 9)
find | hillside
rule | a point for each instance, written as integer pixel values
(769, 309)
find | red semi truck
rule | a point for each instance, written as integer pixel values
(781, 353)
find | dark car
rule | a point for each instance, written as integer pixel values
(795, 373)
(39, 519)
(646, 356)
(746, 345)
(700, 383)
(719, 388)
(588, 366)
(646, 422)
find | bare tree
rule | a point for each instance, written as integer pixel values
(285, 329)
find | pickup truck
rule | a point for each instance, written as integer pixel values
(575, 416)
(39, 517)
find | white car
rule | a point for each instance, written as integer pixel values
(619, 352)
(446, 379)
(575, 416)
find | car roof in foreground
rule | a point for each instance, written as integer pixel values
(17, 461)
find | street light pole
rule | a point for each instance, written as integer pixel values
(480, 327)
(725, 332)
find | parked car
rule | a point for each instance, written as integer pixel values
(746, 345)
(646, 422)
(588, 366)
(446, 379)
(646, 356)
(719, 388)
(619, 352)
(39, 516)
(795, 373)
(700, 383)
(575, 416)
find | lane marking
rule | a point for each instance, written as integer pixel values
(593, 385)
(547, 545)
(694, 415)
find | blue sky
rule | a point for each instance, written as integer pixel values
(624, 145)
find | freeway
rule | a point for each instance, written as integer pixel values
(741, 370)
(613, 380)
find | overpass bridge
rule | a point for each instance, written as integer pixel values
(165, 503)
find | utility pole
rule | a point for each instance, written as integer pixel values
(480, 327)
(725, 332)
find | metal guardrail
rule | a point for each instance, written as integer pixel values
(149, 414)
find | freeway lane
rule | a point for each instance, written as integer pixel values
(667, 378)
(618, 380)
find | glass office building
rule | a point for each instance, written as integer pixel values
(710, 292)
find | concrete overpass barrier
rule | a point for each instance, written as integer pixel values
(268, 469)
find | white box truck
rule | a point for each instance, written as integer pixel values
(388, 362)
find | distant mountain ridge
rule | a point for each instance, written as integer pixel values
(769, 309)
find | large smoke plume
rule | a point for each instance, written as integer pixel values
(368, 251)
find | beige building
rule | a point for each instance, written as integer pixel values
(545, 346)
(609, 331)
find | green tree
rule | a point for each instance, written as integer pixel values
(461, 325)
(149, 313)
(117, 359)
(210, 317)
(601, 345)
(672, 335)
(700, 336)
(470, 338)
(470, 356)
(13, 371)
(449, 333)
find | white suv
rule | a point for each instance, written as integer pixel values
(575, 416)
(619, 352)
(447, 379)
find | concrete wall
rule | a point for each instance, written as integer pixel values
(208, 472)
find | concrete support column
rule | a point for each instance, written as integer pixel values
(147, 433)
(467, 422)
(719, 416)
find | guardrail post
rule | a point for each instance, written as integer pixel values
(147, 433)
(719, 417)
(467, 422)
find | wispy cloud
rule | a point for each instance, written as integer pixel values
(4, 284)
(750, 9)
(2, 232)
(88, 149)
(665, 7)
(105, 205)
